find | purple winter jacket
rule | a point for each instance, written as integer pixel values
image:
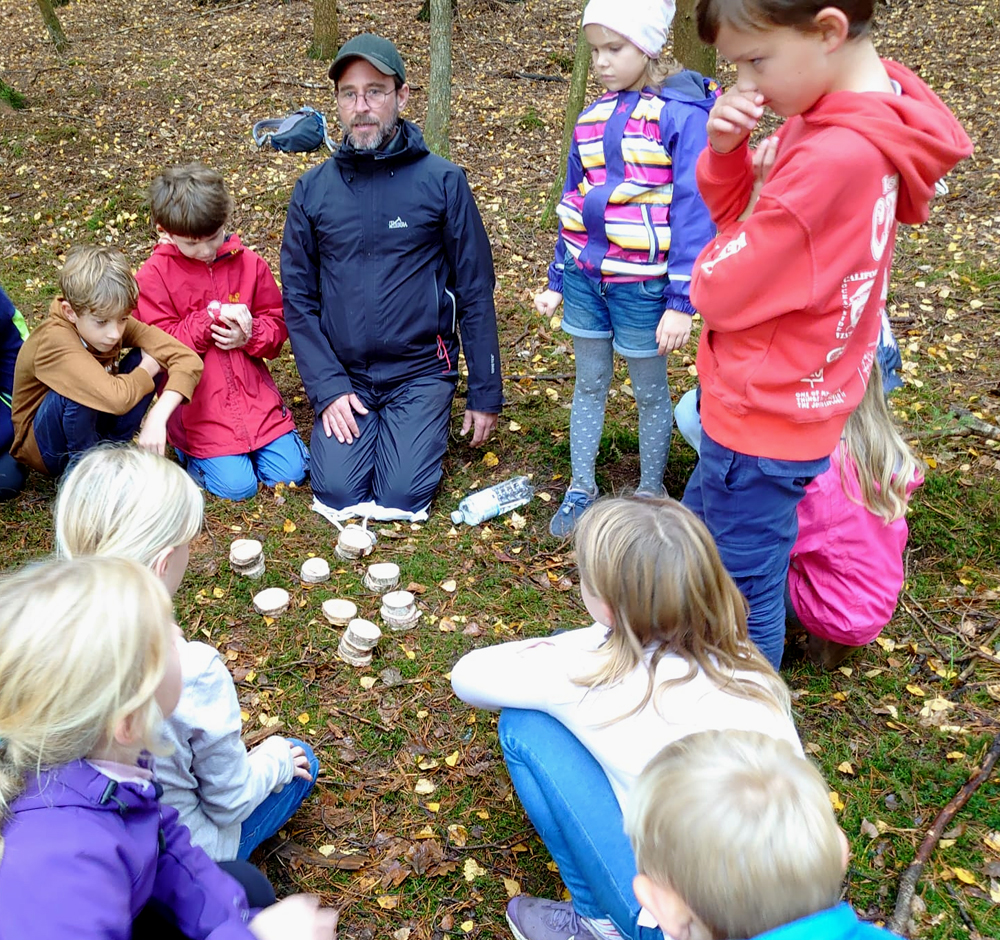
(83, 855)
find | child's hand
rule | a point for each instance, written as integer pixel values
(673, 331)
(229, 335)
(152, 367)
(237, 315)
(734, 116)
(547, 302)
(153, 435)
(301, 762)
(298, 916)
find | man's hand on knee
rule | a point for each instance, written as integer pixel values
(338, 418)
(482, 424)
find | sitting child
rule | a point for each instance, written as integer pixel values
(71, 391)
(13, 333)
(88, 666)
(734, 836)
(204, 288)
(126, 502)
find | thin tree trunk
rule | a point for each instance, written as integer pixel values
(577, 94)
(438, 127)
(689, 50)
(326, 30)
(53, 25)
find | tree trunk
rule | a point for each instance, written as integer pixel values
(577, 96)
(425, 11)
(326, 30)
(438, 127)
(689, 50)
(53, 25)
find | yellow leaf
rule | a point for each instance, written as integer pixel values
(545, 497)
(513, 426)
(915, 690)
(409, 654)
(424, 787)
(218, 592)
(836, 801)
(268, 620)
(244, 715)
(367, 681)
(840, 696)
(472, 870)
(886, 644)
(303, 719)
(490, 459)
(425, 833)
(552, 866)
(520, 847)
(432, 807)
(995, 892)
(452, 759)
(387, 901)
(326, 850)
(427, 763)
(964, 875)
(552, 393)
(289, 526)
(846, 670)
(512, 887)
(250, 676)
(483, 814)
(466, 926)
(946, 843)
(458, 834)
(555, 322)
(846, 768)
(423, 713)
(992, 841)
(954, 755)
(449, 586)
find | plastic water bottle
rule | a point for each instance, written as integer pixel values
(493, 501)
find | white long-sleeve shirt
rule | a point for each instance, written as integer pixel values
(210, 779)
(538, 673)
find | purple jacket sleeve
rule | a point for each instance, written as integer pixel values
(574, 176)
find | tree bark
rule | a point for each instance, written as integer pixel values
(437, 130)
(326, 30)
(53, 25)
(425, 11)
(577, 95)
(689, 50)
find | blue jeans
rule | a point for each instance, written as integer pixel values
(65, 430)
(626, 313)
(284, 460)
(749, 505)
(569, 801)
(278, 808)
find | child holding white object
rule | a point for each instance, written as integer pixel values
(582, 712)
(88, 666)
(631, 224)
(846, 568)
(122, 501)
(735, 837)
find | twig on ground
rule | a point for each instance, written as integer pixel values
(365, 721)
(973, 426)
(538, 77)
(911, 877)
(544, 376)
(963, 913)
(285, 81)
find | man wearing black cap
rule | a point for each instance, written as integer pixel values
(384, 259)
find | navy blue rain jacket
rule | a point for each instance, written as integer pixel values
(384, 255)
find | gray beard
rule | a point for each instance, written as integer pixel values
(384, 135)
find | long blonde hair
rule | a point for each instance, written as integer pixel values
(83, 645)
(884, 463)
(127, 502)
(655, 565)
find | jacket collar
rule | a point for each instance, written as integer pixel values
(409, 145)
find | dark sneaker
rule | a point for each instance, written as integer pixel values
(575, 503)
(540, 919)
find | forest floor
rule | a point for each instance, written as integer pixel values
(414, 831)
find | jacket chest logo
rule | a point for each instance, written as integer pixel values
(397, 223)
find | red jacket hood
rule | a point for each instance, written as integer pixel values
(915, 131)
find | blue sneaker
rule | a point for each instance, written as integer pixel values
(575, 503)
(540, 919)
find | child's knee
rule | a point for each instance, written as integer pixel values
(235, 483)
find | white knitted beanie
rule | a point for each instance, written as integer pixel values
(644, 23)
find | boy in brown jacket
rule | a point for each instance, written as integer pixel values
(70, 390)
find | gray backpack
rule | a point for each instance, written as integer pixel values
(301, 132)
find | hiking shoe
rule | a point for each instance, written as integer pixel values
(575, 503)
(540, 919)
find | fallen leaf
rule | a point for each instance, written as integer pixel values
(964, 875)
(846, 768)
(472, 870)
(387, 901)
(552, 866)
(218, 592)
(289, 526)
(512, 887)
(458, 834)
(517, 521)
(367, 681)
(432, 807)
(915, 690)
(415, 587)
(424, 787)
(449, 586)
(869, 829)
(490, 459)
(427, 763)
(452, 759)
(466, 926)
(513, 426)
(303, 719)
(402, 934)
(836, 801)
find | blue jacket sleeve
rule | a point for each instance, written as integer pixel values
(467, 248)
(682, 128)
(323, 375)
(574, 176)
(10, 342)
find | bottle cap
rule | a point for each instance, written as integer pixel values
(458, 516)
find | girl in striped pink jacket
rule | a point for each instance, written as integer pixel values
(631, 225)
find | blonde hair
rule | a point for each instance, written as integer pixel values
(884, 463)
(191, 201)
(83, 645)
(740, 827)
(655, 565)
(120, 500)
(97, 280)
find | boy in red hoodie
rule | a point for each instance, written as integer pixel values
(792, 288)
(206, 289)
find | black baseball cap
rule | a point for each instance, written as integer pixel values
(374, 49)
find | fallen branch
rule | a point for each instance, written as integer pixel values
(910, 878)
(973, 426)
(538, 77)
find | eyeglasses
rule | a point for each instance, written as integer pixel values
(374, 97)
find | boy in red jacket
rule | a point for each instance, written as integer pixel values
(792, 287)
(204, 288)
